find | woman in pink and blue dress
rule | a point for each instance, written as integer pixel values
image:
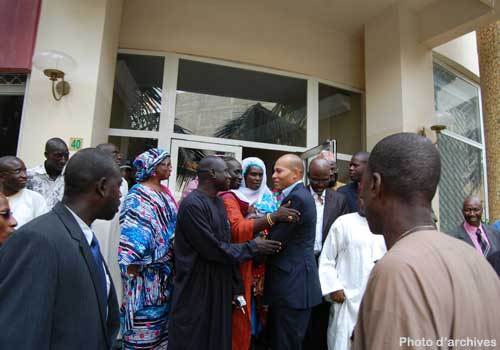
(145, 254)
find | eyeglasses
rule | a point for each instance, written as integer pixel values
(6, 214)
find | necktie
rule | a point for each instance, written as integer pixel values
(320, 199)
(96, 253)
(482, 243)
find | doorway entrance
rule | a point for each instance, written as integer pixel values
(185, 158)
(11, 107)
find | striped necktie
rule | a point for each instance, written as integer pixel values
(485, 247)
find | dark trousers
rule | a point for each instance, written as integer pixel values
(317, 330)
(287, 327)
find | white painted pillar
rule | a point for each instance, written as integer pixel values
(87, 31)
(399, 81)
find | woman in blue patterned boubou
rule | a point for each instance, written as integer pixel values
(145, 253)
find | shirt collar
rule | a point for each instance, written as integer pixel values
(315, 194)
(40, 170)
(290, 188)
(87, 232)
(472, 229)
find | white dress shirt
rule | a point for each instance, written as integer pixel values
(319, 200)
(27, 205)
(87, 232)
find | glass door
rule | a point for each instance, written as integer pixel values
(185, 158)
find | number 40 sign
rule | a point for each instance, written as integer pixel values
(75, 143)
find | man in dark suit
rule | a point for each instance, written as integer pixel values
(55, 290)
(292, 285)
(472, 231)
(357, 167)
(329, 206)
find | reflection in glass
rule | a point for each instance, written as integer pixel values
(343, 170)
(340, 118)
(461, 176)
(131, 147)
(233, 103)
(457, 103)
(187, 164)
(137, 94)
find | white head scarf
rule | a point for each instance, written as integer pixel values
(246, 194)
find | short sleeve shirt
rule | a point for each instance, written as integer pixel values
(39, 181)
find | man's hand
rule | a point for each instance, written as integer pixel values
(286, 214)
(267, 247)
(338, 296)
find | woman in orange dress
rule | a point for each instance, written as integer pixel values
(251, 209)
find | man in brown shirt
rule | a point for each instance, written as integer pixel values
(429, 291)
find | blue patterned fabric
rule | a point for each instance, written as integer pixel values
(146, 162)
(267, 204)
(147, 220)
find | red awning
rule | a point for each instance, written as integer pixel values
(18, 27)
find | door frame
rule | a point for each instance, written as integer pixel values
(175, 144)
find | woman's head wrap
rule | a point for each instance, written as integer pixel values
(261, 199)
(146, 163)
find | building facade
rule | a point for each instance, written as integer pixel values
(263, 79)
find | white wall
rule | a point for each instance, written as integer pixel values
(76, 28)
(383, 76)
(462, 51)
(244, 31)
(399, 81)
(106, 74)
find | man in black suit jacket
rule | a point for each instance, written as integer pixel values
(292, 285)
(55, 290)
(329, 206)
(472, 231)
(357, 167)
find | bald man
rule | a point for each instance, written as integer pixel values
(292, 285)
(429, 291)
(329, 206)
(25, 204)
(52, 273)
(207, 264)
(472, 231)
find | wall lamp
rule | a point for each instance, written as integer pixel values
(438, 128)
(55, 65)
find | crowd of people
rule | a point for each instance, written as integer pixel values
(97, 253)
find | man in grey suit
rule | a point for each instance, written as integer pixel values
(55, 289)
(472, 231)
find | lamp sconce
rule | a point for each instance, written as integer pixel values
(438, 128)
(55, 65)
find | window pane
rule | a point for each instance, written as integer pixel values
(457, 104)
(131, 147)
(232, 103)
(461, 176)
(340, 118)
(187, 164)
(137, 94)
(343, 169)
